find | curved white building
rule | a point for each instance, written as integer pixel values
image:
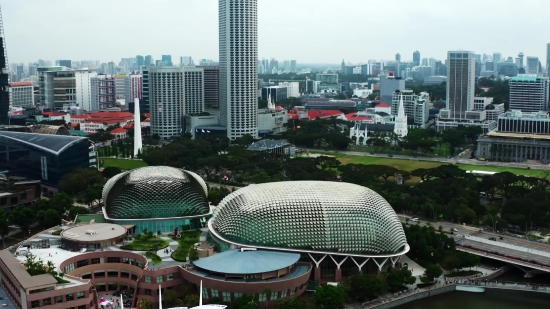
(238, 26)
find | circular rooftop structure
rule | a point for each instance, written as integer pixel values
(155, 192)
(310, 216)
(246, 262)
(94, 233)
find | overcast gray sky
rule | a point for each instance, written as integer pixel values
(310, 31)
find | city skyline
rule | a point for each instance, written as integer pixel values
(173, 32)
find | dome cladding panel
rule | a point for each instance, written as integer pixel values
(155, 192)
(311, 215)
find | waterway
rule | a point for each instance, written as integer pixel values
(498, 299)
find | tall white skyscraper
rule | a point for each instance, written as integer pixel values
(167, 100)
(194, 90)
(460, 83)
(238, 28)
(137, 128)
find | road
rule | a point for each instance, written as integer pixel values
(534, 165)
(525, 249)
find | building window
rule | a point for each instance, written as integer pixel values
(283, 293)
(82, 307)
(79, 295)
(35, 304)
(292, 291)
(214, 293)
(169, 277)
(262, 297)
(226, 296)
(204, 293)
(46, 301)
(81, 263)
(69, 297)
(112, 274)
(147, 279)
(159, 279)
(274, 295)
(58, 299)
(113, 259)
(148, 292)
(95, 261)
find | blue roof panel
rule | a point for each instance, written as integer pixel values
(247, 262)
(51, 143)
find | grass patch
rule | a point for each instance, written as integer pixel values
(58, 232)
(61, 280)
(146, 244)
(123, 164)
(184, 243)
(155, 259)
(410, 165)
(463, 273)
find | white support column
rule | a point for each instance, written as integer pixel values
(380, 265)
(317, 262)
(397, 258)
(360, 266)
(338, 264)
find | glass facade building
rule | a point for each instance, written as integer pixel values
(42, 156)
(156, 198)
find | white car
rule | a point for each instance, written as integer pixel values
(415, 220)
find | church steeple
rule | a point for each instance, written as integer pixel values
(400, 127)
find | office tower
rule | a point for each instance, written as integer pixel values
(478, 58)
(489, 66)
(194, 90)
(398, 57)
(4, 76)
(64, 63)
(149, 61)
(211, 86)
(167, 100)
(497, 57)
(103, 92)
(132, 88)
(21, 94)
(120, 86)
(416, 58)
(388, 85)
(138, 144)
(167, 60)
(61, 88)
(520, 56)
(286, 66)
(140, 61)
(460, 83)
(293, 66)
(265, 64)
(144, 102)
(273, 66)
(186, 61)
(425, 62)
(532, 65)
(110, 68)
(238, 43)
(529, 93)
(19, 75)
(548, 58)
(32, 69)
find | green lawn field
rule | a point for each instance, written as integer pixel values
(123, 164)
(408, 165)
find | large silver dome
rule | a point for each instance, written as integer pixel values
(155, 192)
(310, 215)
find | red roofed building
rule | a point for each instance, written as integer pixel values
(322, 114)
(383, 107)
(119, 133)
(359, 117)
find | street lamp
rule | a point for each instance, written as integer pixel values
(493, 221)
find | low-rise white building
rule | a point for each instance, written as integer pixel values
(293, 88)
(417, 107)
(272, 121)
(21, 94)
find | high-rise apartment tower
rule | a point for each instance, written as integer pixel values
(238, 42)
(460, 83)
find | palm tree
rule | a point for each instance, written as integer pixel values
(267, 292)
